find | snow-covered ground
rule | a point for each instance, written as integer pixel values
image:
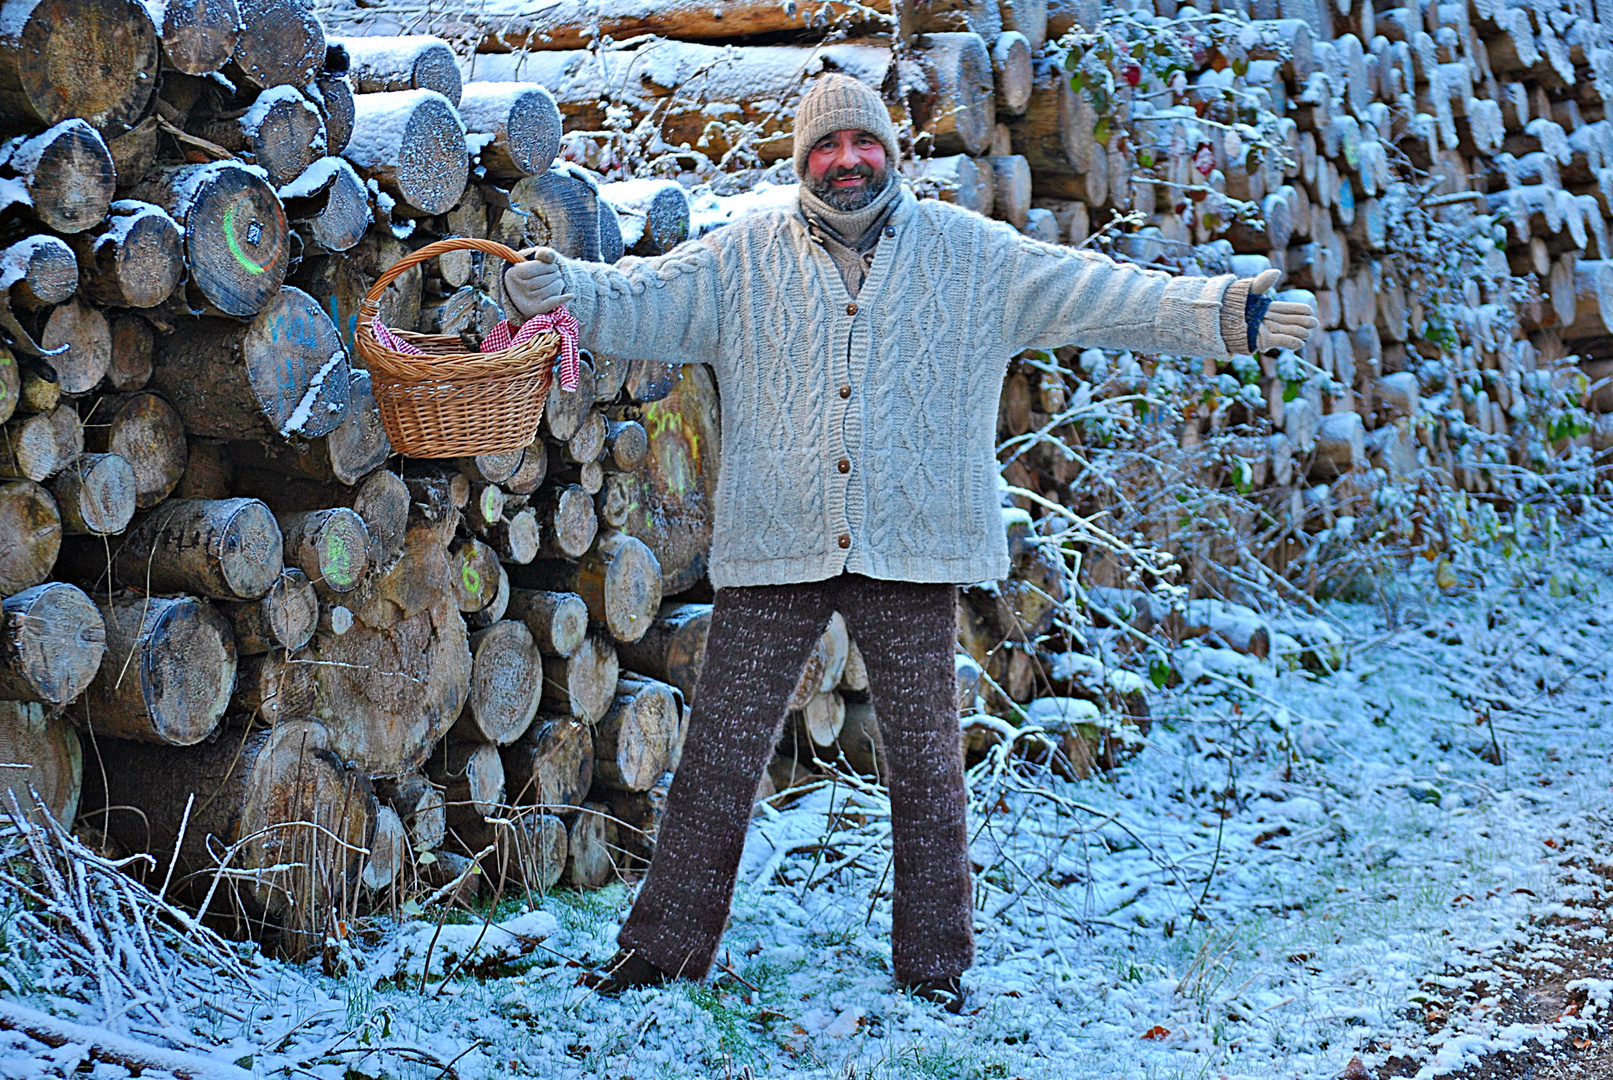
(1293, 870)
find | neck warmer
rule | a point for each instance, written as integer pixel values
(850, 225)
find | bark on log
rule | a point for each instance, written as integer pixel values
(284, 618)
(517, 538)
(575, 24)
(517, 124)
(147, 432)
(654, 214)
(673, 496)
(674, 649)
(95, 59)
(167, 674)
(281, 43)
(354, 451)
(567, 521)
(294, 820)
(584, 683)
(331, 546)
(334, 94)
(198, 36)
(51, 645)
(1011, 188)
(134, 260)
(397, 679)
(282, 374)
(558, 620)
(228, 549)
(411, 143)
(960, 115)
(1012, 72)
(51, 759)
(633, 741)
(95, 495)
(551, 766)
(30, 535)
(88, 340)
(38, 271)
(588, 444)
(408, 62)
(626, 445)
(236, 238)
(506, 684)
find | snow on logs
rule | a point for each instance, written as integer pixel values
(97, 60)
(411, 143)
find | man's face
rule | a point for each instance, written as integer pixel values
(847, 169)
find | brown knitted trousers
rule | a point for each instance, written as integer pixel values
(760, 639)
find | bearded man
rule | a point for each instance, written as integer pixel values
(859, 342)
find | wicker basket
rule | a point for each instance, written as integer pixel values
(448, 402)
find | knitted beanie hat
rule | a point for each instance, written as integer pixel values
(837, 103)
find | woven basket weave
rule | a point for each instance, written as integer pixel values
(447, 402)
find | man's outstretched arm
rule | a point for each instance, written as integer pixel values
(663, 308)
(1064, 297)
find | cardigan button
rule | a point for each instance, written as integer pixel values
(845, 541)
(844, 466)
(851, 309)
(889, 231)
(845, 392)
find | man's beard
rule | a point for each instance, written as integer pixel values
(849, 199)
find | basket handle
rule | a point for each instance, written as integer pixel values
(372, 299)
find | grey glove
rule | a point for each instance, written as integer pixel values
(536, 287)
(1275, 324)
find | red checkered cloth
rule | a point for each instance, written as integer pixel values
(560, 320)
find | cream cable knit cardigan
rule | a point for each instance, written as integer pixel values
(860, 435)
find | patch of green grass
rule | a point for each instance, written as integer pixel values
(733, 1025)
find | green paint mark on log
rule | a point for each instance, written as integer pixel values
(235, 244)
(338, 560)
(471, 578)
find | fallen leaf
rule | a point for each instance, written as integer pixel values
(1580, 1044)
(1355, 1070)
(1156, 1032)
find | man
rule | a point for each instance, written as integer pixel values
(859, 344)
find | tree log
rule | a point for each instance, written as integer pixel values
(281, 44)
(147, 432)
(282, 374)
(673, 496)
(236, 238)
(584, 683)
(95, 495)
(824, 665)
(88, 340)
(558, 621)
(30, 535)
(654, 214)
(228, 549)
(167, 674)
(820, 720)
(39, 446)
(198, 36)
(1011, 189)
(551, 766)
(633, 741)
(567, 520)
(393, 683)
(284, 618)
(626, 445)
(408, 62)
(471, 777)
(421, 807)
(589, 861)
(293, 818)
(506, 684)
(388, 852)
(38, 271)
(559, 210)
(44, 755)
(51, 645)
(273, 686)
(411, 143)
(331, 203)
(134, 260)
(518, 125)
(475, 575)
(1012, 71)
(282, 133)
(674, 649)
(95, 59)
(517, 538)
(576, 24)
(331, 546)
(958, 179)
(620, 581)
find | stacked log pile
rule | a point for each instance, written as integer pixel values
(1435, 177)
(303, 673)
(373, 676)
